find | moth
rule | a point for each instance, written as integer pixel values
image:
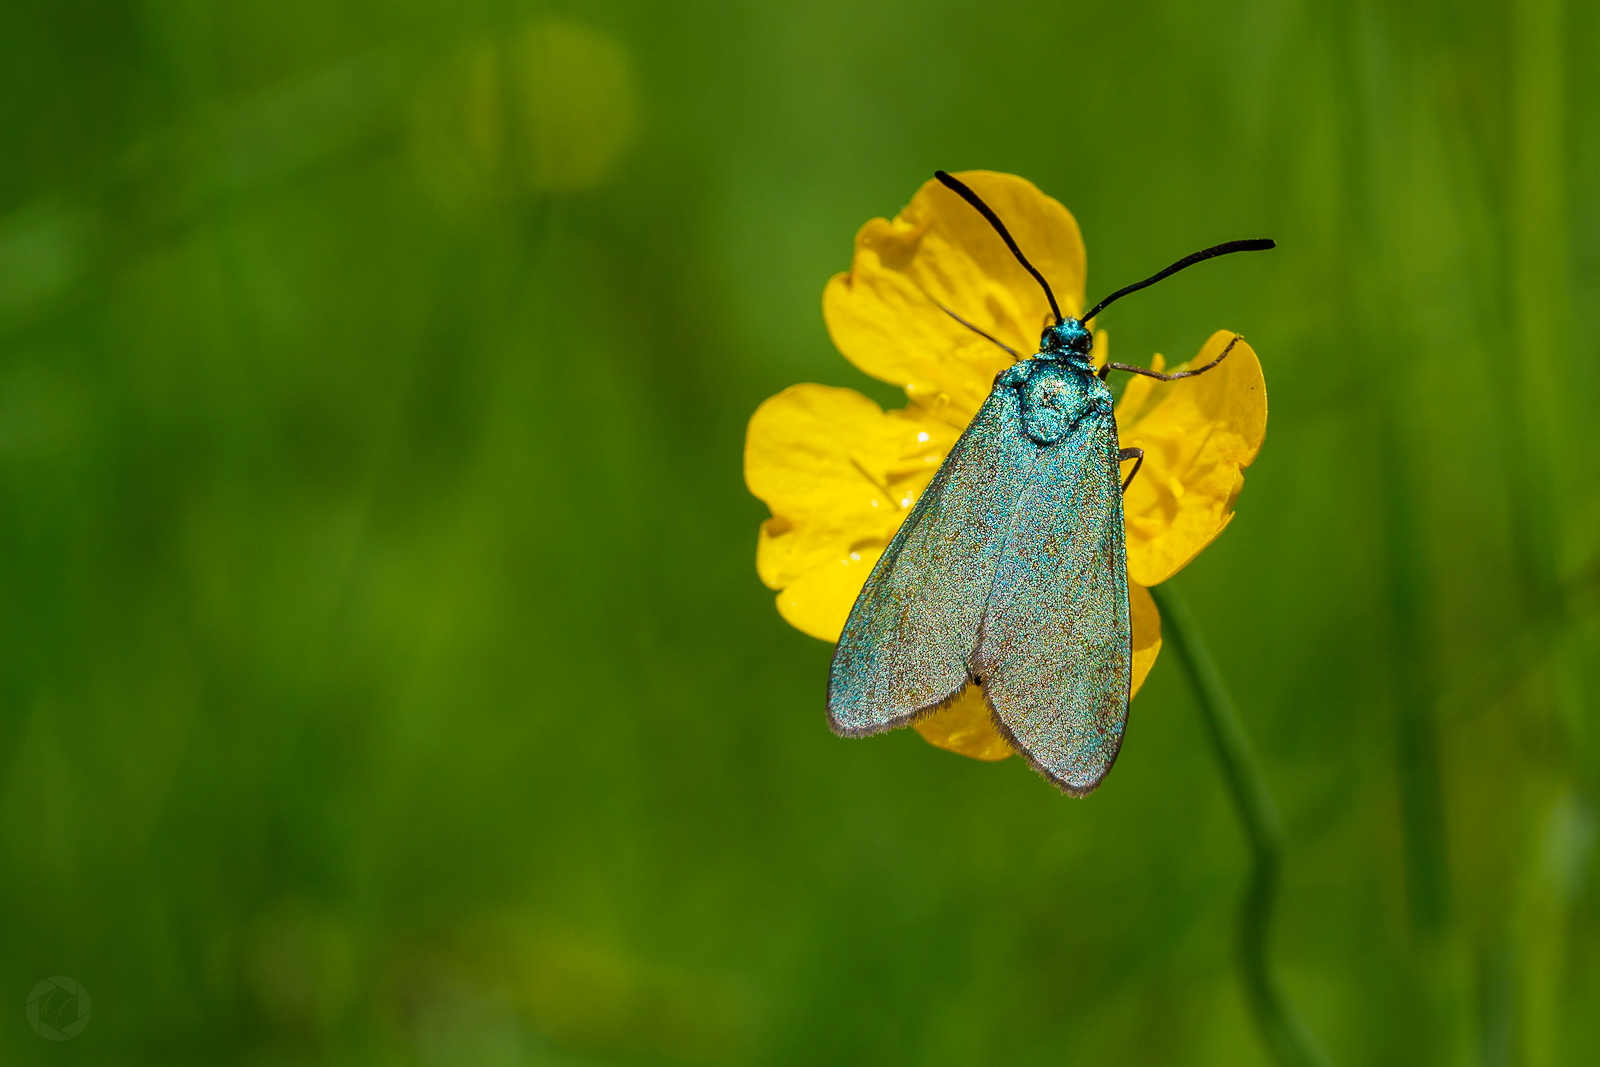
(1011, 571)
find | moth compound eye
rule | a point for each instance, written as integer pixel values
(1059, 338)
(1068, 337)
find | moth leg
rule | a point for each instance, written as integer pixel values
(1135, 454)
(1016, 357)
(1160, 377)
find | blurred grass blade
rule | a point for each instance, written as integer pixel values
(1282, 1029)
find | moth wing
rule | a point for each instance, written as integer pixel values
(906, 646)
(1056, 650)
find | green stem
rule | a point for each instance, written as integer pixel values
(1285, 1035)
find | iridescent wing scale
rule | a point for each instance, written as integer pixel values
(1055, 649)
(911, 633)
(1012, 569)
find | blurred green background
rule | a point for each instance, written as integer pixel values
(384, 676)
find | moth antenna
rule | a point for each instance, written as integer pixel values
(960, 189)
(1259, 244)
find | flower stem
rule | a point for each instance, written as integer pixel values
(1285, 1035)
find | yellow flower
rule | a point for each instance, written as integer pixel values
(840, 474)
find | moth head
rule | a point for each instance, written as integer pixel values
(1067, 339)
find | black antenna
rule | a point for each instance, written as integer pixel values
(1260, 244)
(971, 197)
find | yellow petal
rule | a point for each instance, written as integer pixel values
(819, 602)
(1136, 394)
(840, 475)
(965, 727)
(885, 314)
(1198, 435)
(1146, 634)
